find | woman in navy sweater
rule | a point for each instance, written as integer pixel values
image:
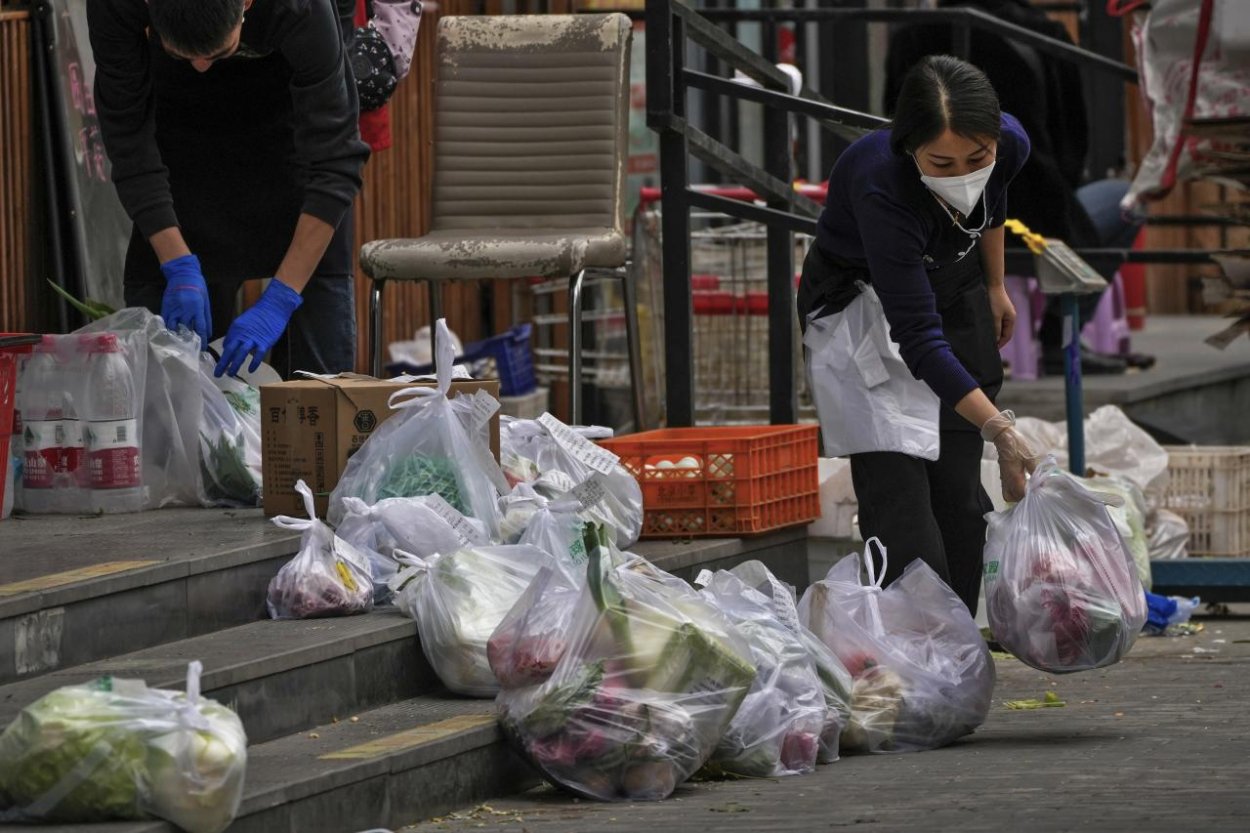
(904, 311)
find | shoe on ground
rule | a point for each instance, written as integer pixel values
(1092, 364)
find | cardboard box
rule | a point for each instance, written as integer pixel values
(310, 427)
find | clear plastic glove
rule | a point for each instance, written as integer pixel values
(257, 330)
(1016, 459)
(185, 303)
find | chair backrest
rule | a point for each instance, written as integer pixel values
(532, 122)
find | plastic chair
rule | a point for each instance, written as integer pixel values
(532, 132)
(1108, 331)
(1023, 352)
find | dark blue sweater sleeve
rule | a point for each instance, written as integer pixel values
(894, 239)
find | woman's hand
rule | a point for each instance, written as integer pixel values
(1004, 314)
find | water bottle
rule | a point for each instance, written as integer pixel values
(114, 458)
(39, 408)
(73, 479)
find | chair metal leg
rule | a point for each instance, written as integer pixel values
(375, 327)
(629, 294)
(436, 312)
(575, 347)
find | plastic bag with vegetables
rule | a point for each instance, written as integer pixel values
(651, 677)
(559, 460)
(835, 681)
(1131, 518)
(114, 749)
(327, 577)
(534, 635)
(420, 526)
(230, 461)
(922, 674)
(554, 525)
(458, 599)
(1061, 588)
(777, 730)
(433, 446)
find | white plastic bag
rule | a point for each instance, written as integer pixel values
(458, 599)
(1130, 518)
(922, 673)
(114, 749)
(1113, 445)
(534, 635)
(327, 577)
(777, 729)
(835, 680)
(431, 447)
(556, 526)
(559, 460)
(648, 679)
(1061, 588)
(1169, 536)
(230, 451)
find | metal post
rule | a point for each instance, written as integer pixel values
(1072, 383)
(778, 161)
(575, 347)
(375, 327)
(637, 379)
(666, 98)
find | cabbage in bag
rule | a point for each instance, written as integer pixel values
(651, 677)
(327, 577)
(1062, 591)
(115, 749)
(922, 674)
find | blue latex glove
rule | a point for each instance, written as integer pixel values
(257, 330)
(185, 303)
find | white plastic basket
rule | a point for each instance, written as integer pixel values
(1209, 486)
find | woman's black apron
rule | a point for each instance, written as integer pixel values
(963, 302)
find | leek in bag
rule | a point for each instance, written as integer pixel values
(433, 446)
(777, 730)
(1062, 591)
(922, 674)
(327, 577)
(114, 749)
(646, 687)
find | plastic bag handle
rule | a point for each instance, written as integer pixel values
(411, 398)
(310, 506)
(875, 581)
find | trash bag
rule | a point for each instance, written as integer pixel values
(835, 680)
(552, 525)
(230, 451)
(327, 577)
(534, 635)
(1169, 536)
(778, 727)
(1113, 445)
(114, 749)
(458, 599)
(1130, 519)
(922, 674)
(649, 681)
(1061, 588)
(559, 460)
(433, 446)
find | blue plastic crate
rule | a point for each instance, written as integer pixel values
(511, 351)
(514, 359)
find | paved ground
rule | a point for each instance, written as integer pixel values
(1157, 743)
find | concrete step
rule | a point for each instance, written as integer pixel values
(279, 676)
(385, 767)
(78, 589)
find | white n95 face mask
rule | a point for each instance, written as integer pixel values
(960, 192)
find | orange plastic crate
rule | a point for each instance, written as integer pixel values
(731, 480)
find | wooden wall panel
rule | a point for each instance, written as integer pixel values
(15, 170)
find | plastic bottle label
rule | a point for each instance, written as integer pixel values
(73, 444)
(43, 454)
(113, 454)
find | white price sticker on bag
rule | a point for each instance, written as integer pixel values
(591, 492)
(468, 533)
(582, 449)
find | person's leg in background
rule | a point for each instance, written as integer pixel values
(892, 490)
(959, 504)
(321, 337)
